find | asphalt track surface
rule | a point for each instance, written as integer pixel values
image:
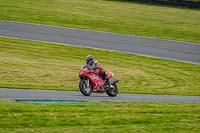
(165, 49)
(27, 94)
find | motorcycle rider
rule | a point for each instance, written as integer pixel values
(94, 65)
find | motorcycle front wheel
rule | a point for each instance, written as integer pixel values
(85, 89)
(112, 92)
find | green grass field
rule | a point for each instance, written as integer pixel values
(140, 117)
(108, 15)
(37, 65)
(28, 64)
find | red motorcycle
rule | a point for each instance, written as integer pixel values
(91, 81)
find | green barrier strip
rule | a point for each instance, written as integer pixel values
(58, 102)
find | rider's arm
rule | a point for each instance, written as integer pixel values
(102, 71)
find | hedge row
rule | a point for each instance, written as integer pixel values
(180, 3)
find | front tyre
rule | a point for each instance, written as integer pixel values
(84, 88)
(112, 91)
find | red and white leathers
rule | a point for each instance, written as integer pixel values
(94, 65)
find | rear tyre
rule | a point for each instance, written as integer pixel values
(112, 92)
(84, 89)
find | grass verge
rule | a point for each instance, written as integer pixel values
(29, 64)
(108, 15)
(113, 117)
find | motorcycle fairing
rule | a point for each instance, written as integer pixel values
(97, 81)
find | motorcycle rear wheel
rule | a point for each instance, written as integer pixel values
(86, 91)
(112, 92)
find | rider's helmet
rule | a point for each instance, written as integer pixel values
(89, 59)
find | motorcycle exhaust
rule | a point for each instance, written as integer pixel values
(115, 81)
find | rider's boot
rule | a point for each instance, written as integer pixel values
(108, 82)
